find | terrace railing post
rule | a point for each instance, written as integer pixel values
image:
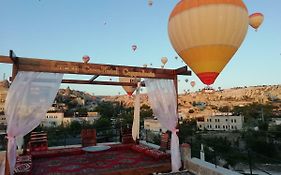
(250, 161)
(64, 135)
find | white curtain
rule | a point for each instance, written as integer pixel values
(162, 97)
(29, 97)
(136, 122)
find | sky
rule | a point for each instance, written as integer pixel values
(106, 29)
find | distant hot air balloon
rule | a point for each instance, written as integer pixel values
(206, 34)
(150, 2)
(86, 59)
(192, 83)
(186, 80)
(176, 57)
(255, 20)
(134, 47)
(164, 60)
(129, 89)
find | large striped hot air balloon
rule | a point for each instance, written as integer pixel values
(129, 89)
(255, 20)
(207, 33)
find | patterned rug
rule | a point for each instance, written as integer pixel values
(106, 162)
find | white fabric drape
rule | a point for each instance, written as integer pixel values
(29, 97)
(136, 122)
(163, 100)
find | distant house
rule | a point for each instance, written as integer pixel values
(53, 119)
(153, 125)
(220, 122)
(90, 117)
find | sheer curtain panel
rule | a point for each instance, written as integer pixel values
(136, 123)
(162, 97)
(28, 100)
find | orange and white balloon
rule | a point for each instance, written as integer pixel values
(207, 33)
(255, 20)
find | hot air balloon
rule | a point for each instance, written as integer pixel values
(176, 57)
(186, 80)
(134, 47)
(192, 83)
(255, 20)
(150, 2)
(206, 34)
(86, 59)
(129, 89)
(164, 60)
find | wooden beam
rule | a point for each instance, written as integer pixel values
(39, 65)
(70, 81)
(183, 71)
(94, 77)
(5, 59)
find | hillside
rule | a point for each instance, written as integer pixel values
(203, 103)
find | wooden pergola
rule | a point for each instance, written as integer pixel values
(96, 70)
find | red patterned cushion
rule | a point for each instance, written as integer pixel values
(25, 158)
(156, 154)
(140, 148)
(23, 168)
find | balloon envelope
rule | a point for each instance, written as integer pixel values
(192, 83)
(164, 60)
(129, 89)
(206, 34)
(255, 20)
(86, 58)
(134, 47)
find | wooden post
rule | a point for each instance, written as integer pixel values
(7, 165)
(15, 64)
(176, 87)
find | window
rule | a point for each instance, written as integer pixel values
(231, 127)
(231, 121)
(218, 120)
(226, 120)
(223, 126)
(210, 120)
(219, 126)
(234, 120)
